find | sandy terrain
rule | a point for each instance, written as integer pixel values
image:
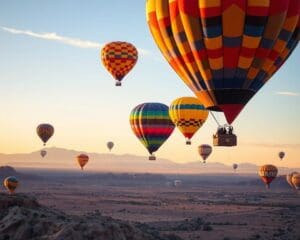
(191, 211)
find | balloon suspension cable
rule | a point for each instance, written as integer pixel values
(214, 117)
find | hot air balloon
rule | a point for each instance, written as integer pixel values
(11, 183)
(281, 155)
(151, 124)
(43, 153)
(289, 178)
(82, 160)
(119, 58)
(234, 166)
(110, 145)
(204, 151)
(188, 115)
(296, 181)
(45, 131)
(224, 51)
(268, 173)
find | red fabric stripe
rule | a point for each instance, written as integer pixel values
(210, 12)
(294, 8)
(215, 53)
(258, 11)
(231, 56)
(262, 53)
(248, 52)
(278, 6)
(189, 7)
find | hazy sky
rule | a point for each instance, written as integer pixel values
(50, 71)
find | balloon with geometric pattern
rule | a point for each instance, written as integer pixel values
(119, 58)
(188, 114)
(225, 51)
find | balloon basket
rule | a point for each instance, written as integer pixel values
(118, 83)
(188, 142)
(152, 158)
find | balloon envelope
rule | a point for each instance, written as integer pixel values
(11, 183)
(224, 51)
(110, 145)
(151, 124)
(45, 131)
(296, 181)
(268, 173)
(289, 178)
(82, 160)
(119, 58)
(204, 151)
(43, 153)
(188, 114)
(281, 155)
(235, 166)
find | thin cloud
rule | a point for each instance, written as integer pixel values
(75, 42)
(291, 94)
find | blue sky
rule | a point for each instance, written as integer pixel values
(46, 80)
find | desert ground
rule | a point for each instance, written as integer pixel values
(202, 207)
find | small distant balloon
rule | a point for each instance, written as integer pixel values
(45, 132)
(268, 173)
(296, 181)
(234, 166)
(110, 145)
(119, 58)
(43, 153)
(204, 151)
(289, 178)
(281, 155)
(11, 183)
(82, 160)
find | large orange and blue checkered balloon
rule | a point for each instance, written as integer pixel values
(151, 124)
(225, 50)
(119, 58)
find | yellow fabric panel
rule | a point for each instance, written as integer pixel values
(258, 3)
(251, 42)
(279, 45)
(230, 28)
(244, 62)
(213, 43)
(216, 63)
(290, 23)
(252, 73)
(209, 3)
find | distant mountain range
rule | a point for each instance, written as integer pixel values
(59, 158)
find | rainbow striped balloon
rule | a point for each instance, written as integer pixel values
(152, 125)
